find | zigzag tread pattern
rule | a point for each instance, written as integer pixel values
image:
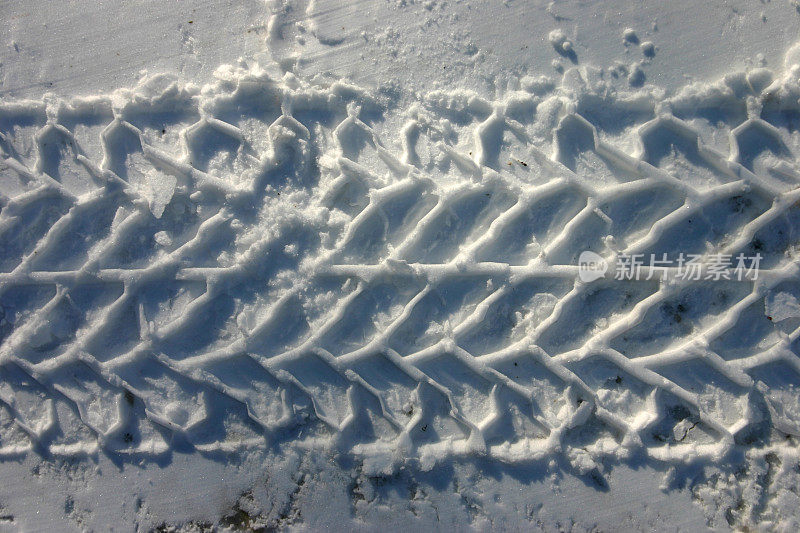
(264, 260)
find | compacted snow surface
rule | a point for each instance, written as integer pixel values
(309, 265)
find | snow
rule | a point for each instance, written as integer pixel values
(316, 264)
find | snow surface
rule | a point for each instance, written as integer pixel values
(315, 265)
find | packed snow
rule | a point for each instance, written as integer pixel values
(318, 264)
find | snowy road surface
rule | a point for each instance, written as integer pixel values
(324, 265)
